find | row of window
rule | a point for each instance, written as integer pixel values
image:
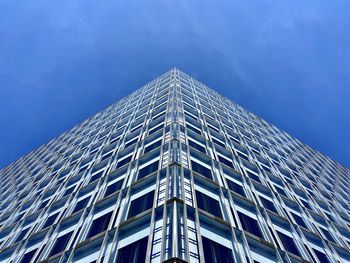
(217, 243)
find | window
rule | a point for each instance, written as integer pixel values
(152, 146)
(68, 191)
(81, 204)
(104, 157)
(306, 204)
(280, 191)
(288, 243)
(235, 187)
(262, 253)
(148, 169)
(198, 168)
(225, 161)
(88, 252)
(99, 225)
(28, 256)
(113, 187)
(216, 253)
(190, 115)
(133, 253)
(95, 177)
(249, 224)
(51, 219)
(141, 204)
(208, 204)
(124, 161)
(299, 220)
(131, 142)
(244, 156)
(194, 129)
(197, 146)
(60, 244)
(43, 204)
(22, 235)
(218, 142)
(153, 130)
(268, 204)
(321, 256)
(327, 234)
(253, 176)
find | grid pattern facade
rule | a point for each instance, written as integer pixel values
(174, 173)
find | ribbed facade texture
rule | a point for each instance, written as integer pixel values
(175, 172)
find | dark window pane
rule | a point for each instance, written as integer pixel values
(131, 143)
(133, 253)
(141, 204)
(288, 243)
(22, 234)
(216, 253)
(159, 116)
(99, 225)
(196, 167)
(60, 244)
(124, 161)
(194, 129)
(107, 155)
(328, 235)
(50, 220)
(148, 169)
(28, 256)
(81, 204)
(152, 146)
(82, 169)
(268, 204)
(266, 168)
(219, 142)
(235, 187)
(299, 220)
(196, 146)
(95, 177)
(321, 256)
(208, 204)
(249, 224)
(225, 161)
(243, 156)
(187, 115)
(280, 191)
(114, 187)
(156, 129)
(68, 191)
(43, 204)
(306, 204)
(253, 176)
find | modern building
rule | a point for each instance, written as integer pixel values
(175, 172)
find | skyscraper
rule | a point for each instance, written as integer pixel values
(175, 173)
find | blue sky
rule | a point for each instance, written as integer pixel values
(286, 61)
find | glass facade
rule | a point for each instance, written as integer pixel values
(174, 172)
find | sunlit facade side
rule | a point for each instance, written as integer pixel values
(174, 172)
